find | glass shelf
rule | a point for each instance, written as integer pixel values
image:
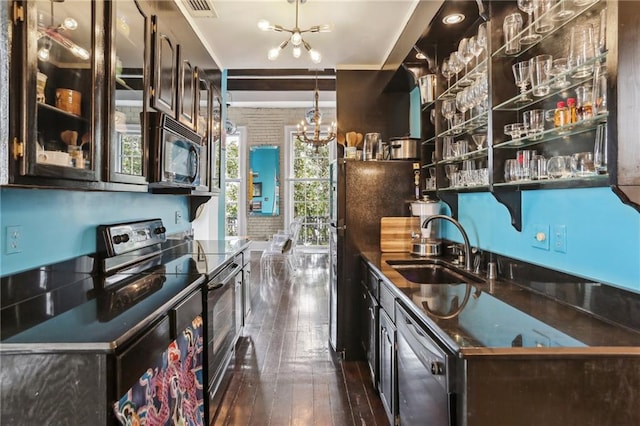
(458, 189)
(470, 125)
(429, 141)
(555, 133)
(471, 155)
(591, 180)
(513, 104)
(425, 106)
(457, 87)
(549, 16)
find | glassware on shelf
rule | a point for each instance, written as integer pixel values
(584, 102)
(465, 53)
(528, 6)
(450, 171)
(558, 71)
(533, 121)
(543, 21)
(581, 50)
(457, 65)
(515, 130)
(602, 32)
(462, 102)
(583, 2)
(539, 65)
(522, 76)
(458, 121)
(559, 167)
(563, 13)
(479, 139)
(448, 110)
(600, 149)
(510, 170)
(476, 49)
(538, 167)
(582, 164)
(511, 27)
(447, 72)
(600, 90)
(448, 147)
(481, 41)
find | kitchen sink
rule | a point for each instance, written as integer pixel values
(427, 271)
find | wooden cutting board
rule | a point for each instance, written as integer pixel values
(395, 233)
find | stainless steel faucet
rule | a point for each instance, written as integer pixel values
(467, 246)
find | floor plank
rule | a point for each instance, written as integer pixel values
(285, 373)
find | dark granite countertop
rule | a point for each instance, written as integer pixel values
(68, 306)
(503, 316)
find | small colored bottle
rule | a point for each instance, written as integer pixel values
(561, 115)
(573, 110)
(585, 103)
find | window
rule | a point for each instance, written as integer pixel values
(307, 190)
(235, 191)
(129, 153)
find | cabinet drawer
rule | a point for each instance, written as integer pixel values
(387, 300)
(183, 313)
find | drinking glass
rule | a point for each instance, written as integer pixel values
(522, 76)
(465, 53)
(447, 72)
(582, 164)
(600, 89)
(457, 65)
(447, 147)
(539, 66)
(600, 149)
(462, 102)
(449, 170)
(543, 22)
(528, 6)
(538, 167)
(602, 32)
(557, 167)
(476, 49)
(534, 123)
(515, 130)
(581, 50)
(448, 110)
(511, 26)
(481, 40)
(510, 170)
(558, 71)
(563, 13)
(479, 139)
(524, 158)
(458, 120)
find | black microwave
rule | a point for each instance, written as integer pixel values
(174, 153)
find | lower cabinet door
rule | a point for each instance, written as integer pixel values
(386, 380)
(170, 391)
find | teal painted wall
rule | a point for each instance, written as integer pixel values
(414, 113)
(59, 225)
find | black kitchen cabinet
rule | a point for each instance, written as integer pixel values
(387, 376)
(164, 69)
(56, 103)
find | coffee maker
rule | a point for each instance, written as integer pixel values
(426, 241)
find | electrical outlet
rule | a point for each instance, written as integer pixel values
(14, 239)
(540, 236)
(178, 217)
(560, 238)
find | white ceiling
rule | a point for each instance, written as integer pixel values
(364, 33)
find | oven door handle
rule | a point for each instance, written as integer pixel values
(214, 285)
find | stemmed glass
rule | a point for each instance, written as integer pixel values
(528, 6)
(465, 53)
(447, 73)
(481, 40)
(448, 110)
(456, 64)
(479, 139)
(559, 69)
(476, 49)
(462, 102)
(522, 75)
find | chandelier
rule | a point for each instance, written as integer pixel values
(295, 39)
(314, 117)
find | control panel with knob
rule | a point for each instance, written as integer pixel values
(127, 237)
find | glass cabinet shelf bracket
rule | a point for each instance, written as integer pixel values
(514, 104)
(549, 15)
(555, 133)
(457, 87)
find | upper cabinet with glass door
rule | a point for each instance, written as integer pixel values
(129, 77)
(57, 96)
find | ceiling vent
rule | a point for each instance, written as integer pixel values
(201, 8)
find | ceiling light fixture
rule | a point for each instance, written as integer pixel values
(454, 18)
(54, 33)
(295, 39)
(314, 117)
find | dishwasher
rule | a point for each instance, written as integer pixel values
(425, 375)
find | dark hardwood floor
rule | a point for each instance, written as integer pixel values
(285, 373)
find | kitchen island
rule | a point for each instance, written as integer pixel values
(534, 351)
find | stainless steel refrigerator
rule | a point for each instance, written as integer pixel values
(362, 192)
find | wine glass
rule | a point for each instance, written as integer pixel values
(465, 53)
(462, 102)
(481, 39)
(558, 71)
(447, 73)
(476, 49)
(522, 75)
(448, 110)
(479, 139)
(456, 64)
(528, 6)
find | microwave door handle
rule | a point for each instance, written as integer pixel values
(193, 155)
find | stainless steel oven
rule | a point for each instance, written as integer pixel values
(175, 152)
(221, 329)
(425, 377)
